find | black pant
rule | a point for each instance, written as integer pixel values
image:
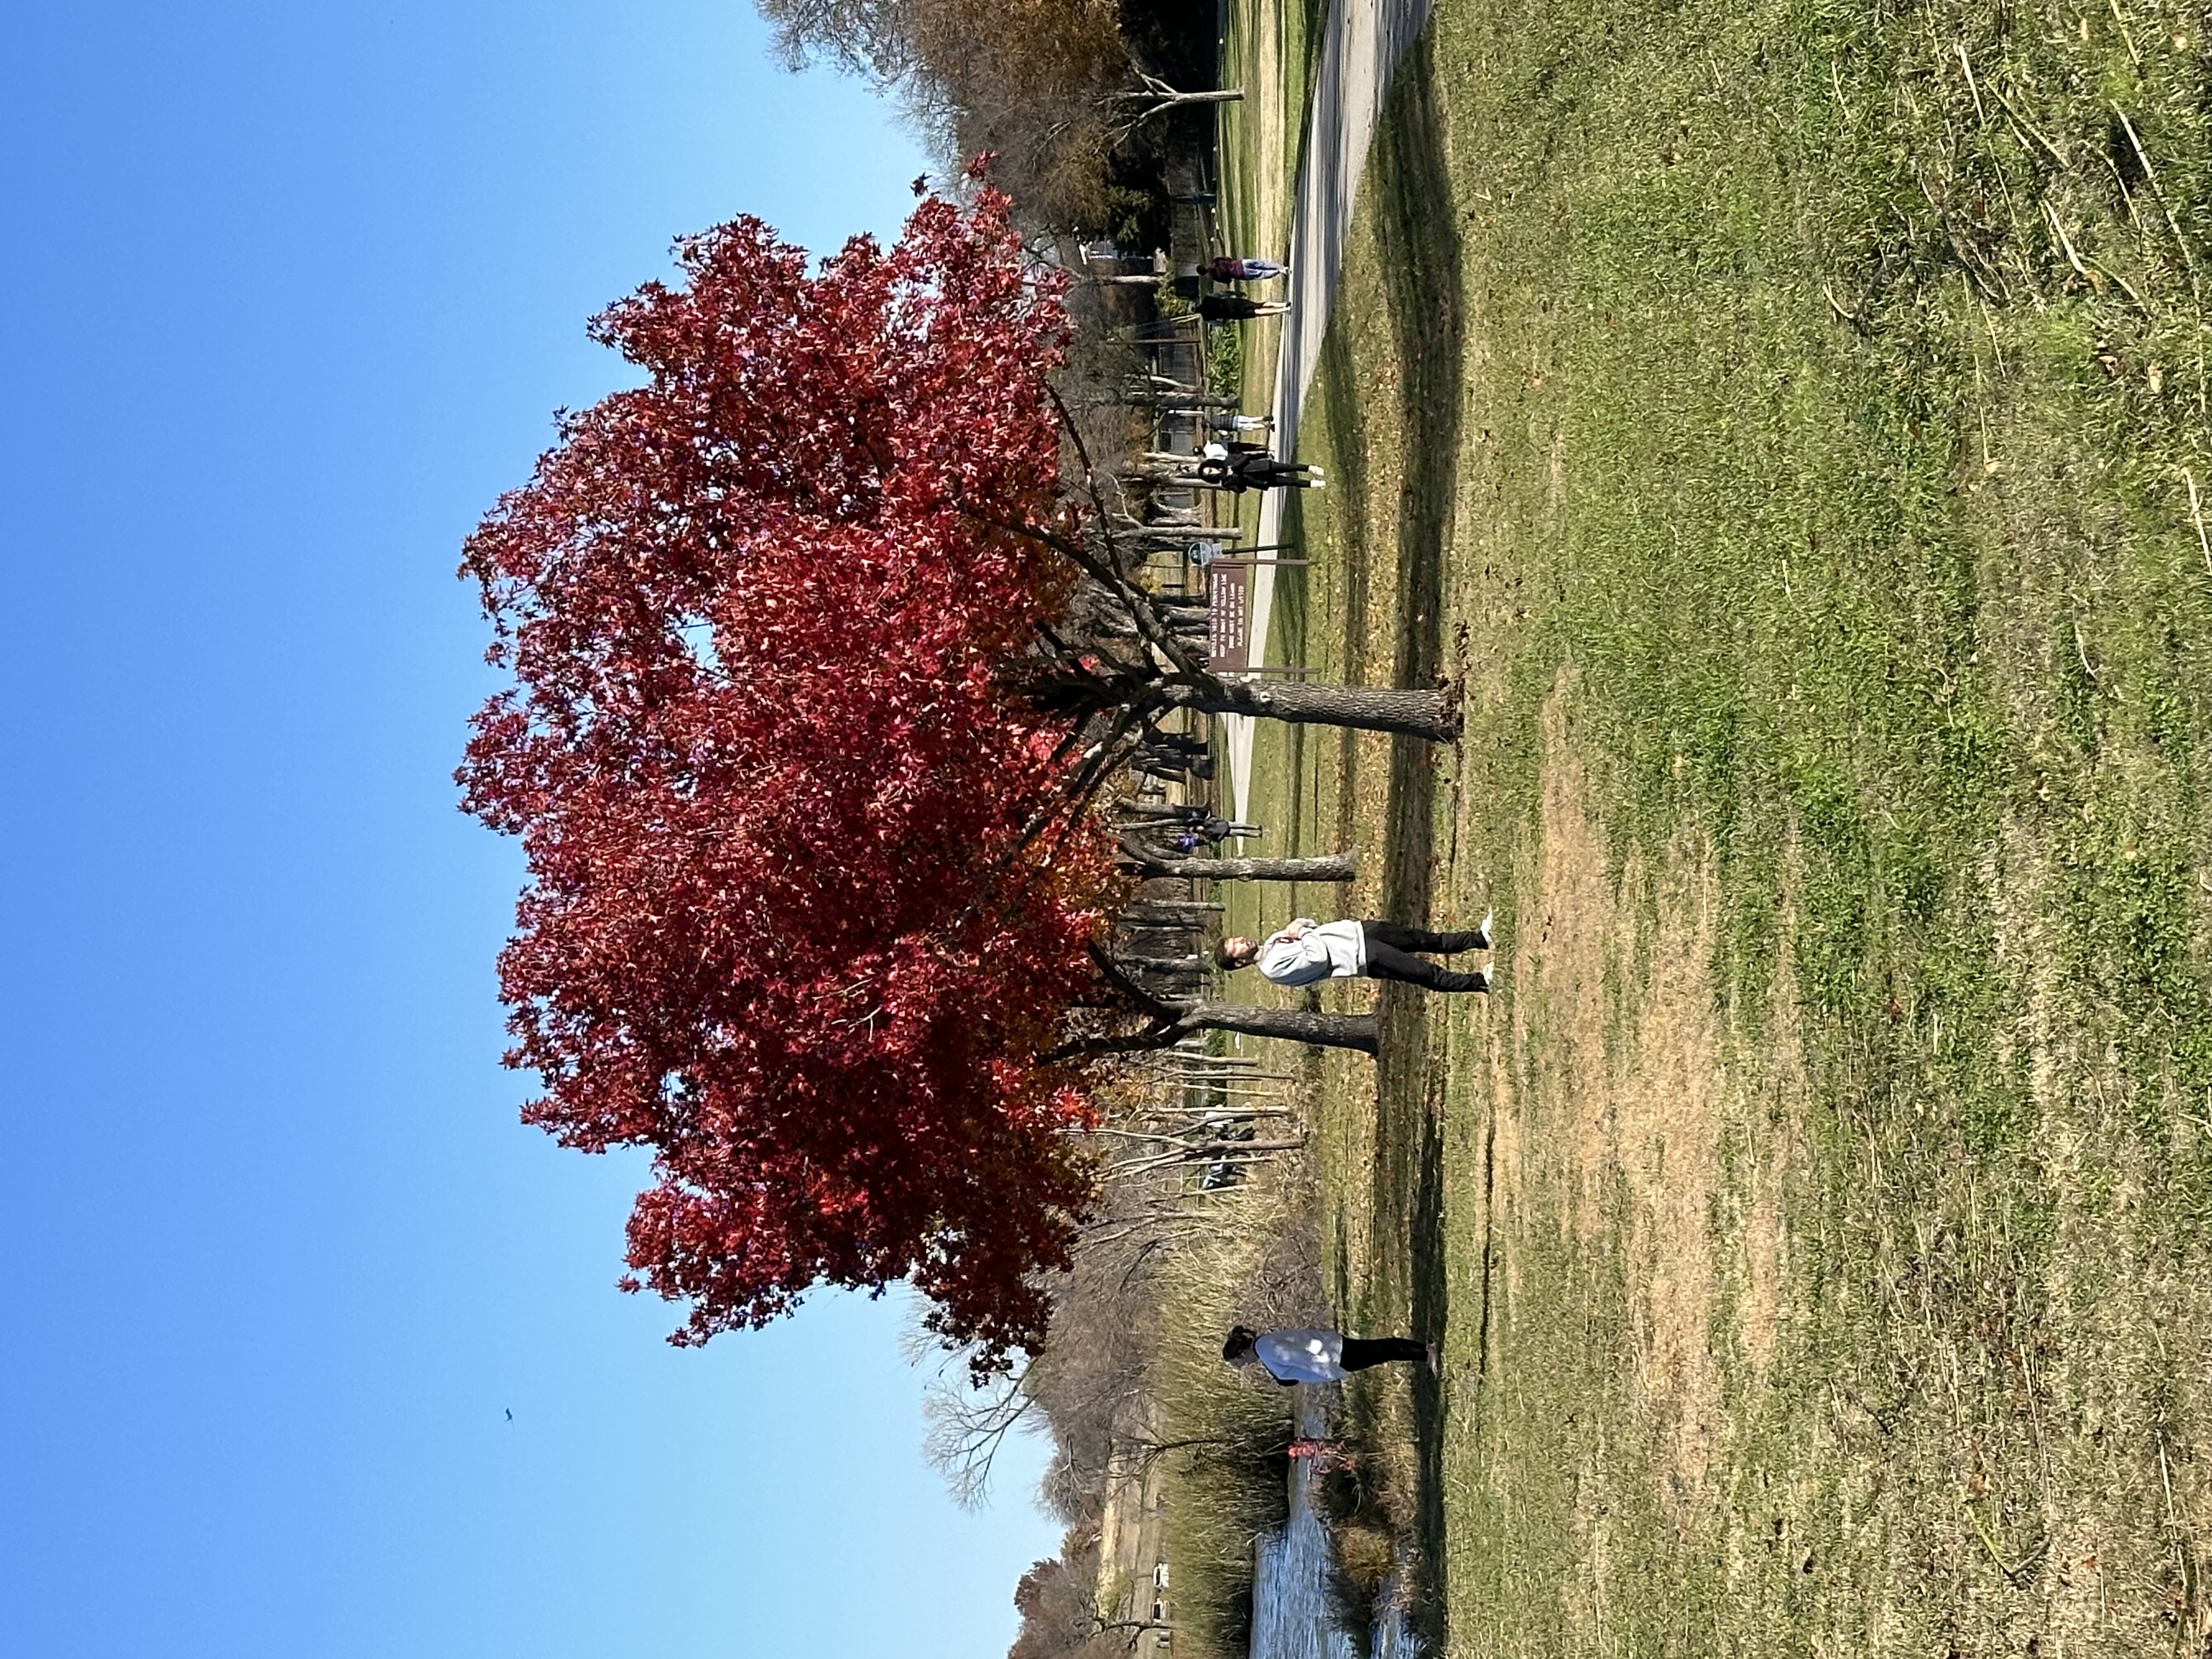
(1360, 1353)
(1390, 946)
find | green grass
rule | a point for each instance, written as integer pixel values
(1817, 1215)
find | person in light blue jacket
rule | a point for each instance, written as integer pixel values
(1318, 1356)
(1306, 950)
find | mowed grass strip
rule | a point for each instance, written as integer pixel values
(1790, 422)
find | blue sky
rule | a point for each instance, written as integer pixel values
(290, 292)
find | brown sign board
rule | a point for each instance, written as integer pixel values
(1227, 648)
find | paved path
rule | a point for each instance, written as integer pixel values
(1361, 45)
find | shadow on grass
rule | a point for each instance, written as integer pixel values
(1349, 486)
(1421, 259)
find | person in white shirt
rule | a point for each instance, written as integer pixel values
(1306, 950)
(1291, 1357)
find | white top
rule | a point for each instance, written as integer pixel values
(1336, 950)
(1303, 1356)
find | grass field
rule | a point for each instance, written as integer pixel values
(1787, 423)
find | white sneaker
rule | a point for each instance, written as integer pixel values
(1488, 937)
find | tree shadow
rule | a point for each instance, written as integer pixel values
(1349, 486)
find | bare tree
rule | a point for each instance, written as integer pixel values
(968, 1428)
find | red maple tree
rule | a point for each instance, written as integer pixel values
(807, 897)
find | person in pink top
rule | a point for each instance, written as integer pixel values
(1231, 268)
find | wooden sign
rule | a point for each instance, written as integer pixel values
(1226, 648)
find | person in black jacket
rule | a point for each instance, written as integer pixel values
(1248, 466)
(1236, 308)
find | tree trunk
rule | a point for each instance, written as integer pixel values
(1167, 913)
(1159, 96)
(1176, 402)
(1291, 1024)
(1338, 866)
(1171, 100)
(1431, 715)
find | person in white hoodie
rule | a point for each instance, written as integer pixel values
(1306, 950)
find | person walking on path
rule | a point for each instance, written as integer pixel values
(1229, 268)
(1221, 420)
(1236, 308)
(1237, 476)
(1314, 1356)
(1307, 950)
(1237, 467)
(1233, 425)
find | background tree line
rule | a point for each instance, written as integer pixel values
(1079, 100)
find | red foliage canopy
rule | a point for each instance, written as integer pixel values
(787, 923)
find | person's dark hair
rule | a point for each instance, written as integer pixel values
(1238, 1346)
(1223, 957)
